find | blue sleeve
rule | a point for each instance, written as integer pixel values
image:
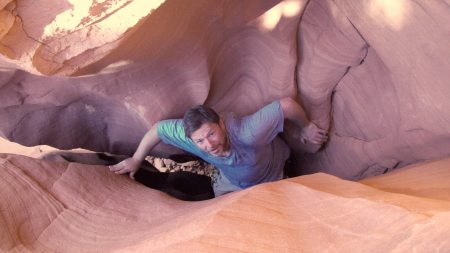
(172, 132)
(264, 125)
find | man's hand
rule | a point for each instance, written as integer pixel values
(128, 165)
(314, 134)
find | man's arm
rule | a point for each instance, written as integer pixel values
(309, 131)
(148, 142)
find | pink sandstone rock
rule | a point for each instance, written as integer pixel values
(374, 73)
(69, 207)
(98, 74)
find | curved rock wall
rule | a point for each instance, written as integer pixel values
(374, 72)
(71, 207)
(384, 64)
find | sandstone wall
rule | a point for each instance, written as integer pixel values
(374, 72)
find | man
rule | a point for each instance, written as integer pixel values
(246, 150)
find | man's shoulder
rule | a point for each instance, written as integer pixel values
(170, 122)
(238, 132)
(232, 121)
(170, 127)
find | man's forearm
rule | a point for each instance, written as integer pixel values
(148, 142)
(294, 112)
(309, 131)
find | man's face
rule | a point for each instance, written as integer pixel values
(212, 138)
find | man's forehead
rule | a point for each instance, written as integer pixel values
(203, 131)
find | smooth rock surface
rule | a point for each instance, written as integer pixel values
(97, 74)
(68, 207)
(375, 73)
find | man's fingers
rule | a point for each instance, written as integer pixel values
(122, 171)
(132, 174)
(303, 140)
(118, 169)
(124, 167)
(322, 132)
(317, 142)
(113, 168)
(320, 139)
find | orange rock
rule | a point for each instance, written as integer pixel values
(375, 73)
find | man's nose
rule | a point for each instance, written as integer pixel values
(207, 144)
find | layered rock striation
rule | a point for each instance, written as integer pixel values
(97, 75)
(70, 207)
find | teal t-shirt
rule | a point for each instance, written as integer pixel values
(257, 152)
